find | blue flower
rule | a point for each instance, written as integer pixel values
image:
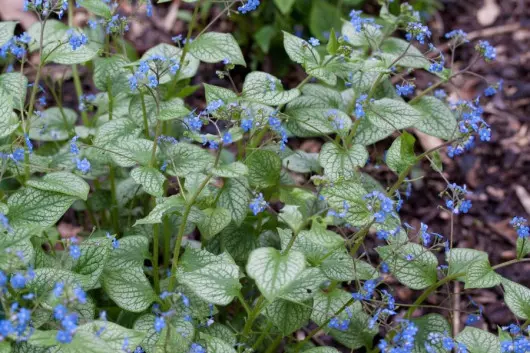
(194, 122)
(5, 223)
(416, 30)
(246, 124)
(520, 224)
(153, 81)
(79, 294)
(440, 93)
(488, 52)
(59, 312)
(227, 138)
(160, 323)
(358, 22)
(457, 34)
(76, 40)
(63, 337)
(251, 5)
(58, 289)
(75, 251)
(359, 109)
(149, 8)
(258, 204)
(133, 83)
(405, 89)
(379, 205)
(214, 106)
(314, 42)
(28, 143)
(83, 165)
(115, 242)
(18, 281)
(74, 149)
(490, 91)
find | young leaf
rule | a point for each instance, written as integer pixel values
(213, 47)
(284, 6)
(97, 7)
(523, 247)
(401, 154)
(479, 341)
(274, 271)
(333, 44)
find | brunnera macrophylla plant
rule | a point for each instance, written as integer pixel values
(204, 239)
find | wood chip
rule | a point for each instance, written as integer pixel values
(524, 197)
(488, 14)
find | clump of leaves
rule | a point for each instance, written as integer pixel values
(203, 237)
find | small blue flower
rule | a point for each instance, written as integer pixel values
(520, 224)
(258, 204)
(416, 30)
(485, 134)
(5, 223)
(58, 289)
(63, 337)
(149, 8)
(246, 124)
(18, 281)
(359, 109)
(79, 294)
(440, 93)
(83, 165)
(405, 89)
(457, 34)
(227, 138)
(59, 312)
(74, 149)
(488, 52)
(28, 143)
(359, 22)
(314, 42)
(153, 81)
(160, 323)
(76, 40)
(75, 251)
(251, 5)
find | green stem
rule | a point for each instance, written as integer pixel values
(144, 115)
(181, 230)
(156, 271)
(262, 336)
(429, 291)
(426, 91)
(167, 242)
(274, 345)
(508, 263)
(260, 303)
(114, 208)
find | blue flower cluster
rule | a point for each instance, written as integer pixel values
(341, 214)
(405, 90)
(258, 204)
(488, 52)
(519, 342)
(314, 42)
(359, 22)
(470, 121)
(403, 341)
(336, 121)
(457, 202)
(379, 205)
(76, 39)
(458, 35)
(16, 46)
(46, 7)
(417, 31)
(68, 320)
(448, 344)
(83, 165)
(250, 6)
(493, 89)
(276, 125)
(359, 106)
(367, 291)
(520, 224)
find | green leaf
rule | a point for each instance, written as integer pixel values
(369, 37)
(169, 205)
(214, 93)
(394, 48)
(460, 259)
(517, 297)
(221, 331)
(235, 198)
(322, 350)
(431, 323)
(38, 207)
(127, 153)
(479, 341)
(216, 345)
(175, 337)
(94, 255)
(305, 286)
(264, 168)
(173, 109)
(307, 122)
(187, 159)
(284, 6)
(327, 303)
(418, 273)
(274, 271)
(129, 288)
(340, 266)
(299, 50)
(97, 7)
(60, 52)
(401, 154)
(261, 87)
(352, 192)
(239, 241)
(302, 162)
(339, 163)
(323, 16)
(189, 67)
(437, 119)
(288, 316)
(264, 37)
(15, 85)
(112, 334)
(131, 252)
(7, 30)
(111, 73)
(215, 220)
(151, 180)
(62, 182)
(390, 114)
(53, 32)
(115, 130)
(45, 279)
(213, 47)
(8, 119)
(481, 275)
(54, 125)
(333, 43)
(232, 170)
(523, 247)
(214, 279)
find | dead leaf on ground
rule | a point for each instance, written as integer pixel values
(487, 15)
(67, 230)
